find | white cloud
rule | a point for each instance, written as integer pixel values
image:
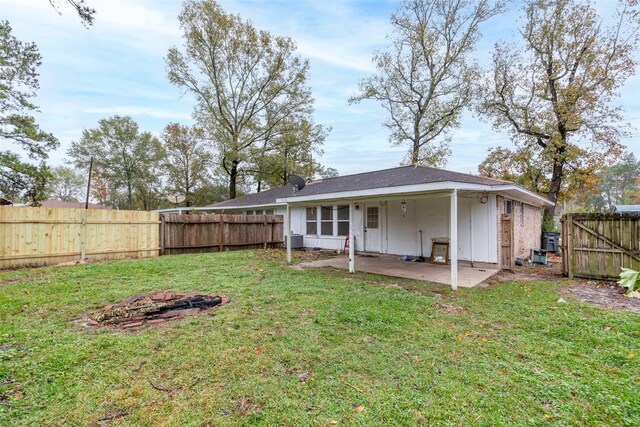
(132, 110)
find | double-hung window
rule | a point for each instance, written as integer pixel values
(312, 221)
(326, 223)
(327, 220)
(343, 220)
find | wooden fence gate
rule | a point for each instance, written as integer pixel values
(597, 246)
(181, 234)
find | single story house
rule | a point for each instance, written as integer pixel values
(404, 211)
(626, 209)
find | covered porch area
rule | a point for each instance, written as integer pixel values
(394, 266)
(396, 224)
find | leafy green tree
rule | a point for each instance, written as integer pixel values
(523, 165)
(424, 80)
(290, 152)
(246, 81)
(553, 91)
(123, 157)
(20, 180)
(187, 161)
(66, 184)
(617, 185)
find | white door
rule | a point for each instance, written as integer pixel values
(372, 230)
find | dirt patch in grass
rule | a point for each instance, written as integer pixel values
(533, 272)
(603, 294)
(449, 308)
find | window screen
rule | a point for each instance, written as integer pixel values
(269, 212)
(312, 221)
(508, 206)
(326, 223)
(343, 220)
(372, 217)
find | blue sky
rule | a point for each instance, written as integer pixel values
(117, 67)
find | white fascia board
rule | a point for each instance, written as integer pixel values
(218, 208)
(526, 194)
(415, 189)
(185, 208)
(270, 205)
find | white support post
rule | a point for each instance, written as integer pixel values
(453, 239)
(471, 229)
(288, 225)
(352, 242)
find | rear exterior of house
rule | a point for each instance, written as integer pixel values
(402, 211)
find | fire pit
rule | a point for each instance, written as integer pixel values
(140, 310)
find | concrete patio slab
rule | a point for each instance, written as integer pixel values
(392, 265)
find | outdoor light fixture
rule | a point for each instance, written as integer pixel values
(404, 208)
(357, 207)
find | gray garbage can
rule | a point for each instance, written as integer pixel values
(550, 241)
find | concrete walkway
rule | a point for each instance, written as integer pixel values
(392, 265)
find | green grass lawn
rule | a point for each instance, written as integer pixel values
(414, 352)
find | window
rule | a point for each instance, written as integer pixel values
(372, 217)
(259, 212)
(249, 212)
(508, 206)
(312, 221)
(326, 221)
(268, 212)
(343, 220)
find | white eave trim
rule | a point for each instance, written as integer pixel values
(415, 190)
(220, 208)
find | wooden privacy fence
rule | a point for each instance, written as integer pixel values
(40, 236)
(597, 246)
(181, 234)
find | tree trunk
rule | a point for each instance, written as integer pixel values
(415, 152)
(233, 177)
(129, 195)
(554, 188)
(259, 185)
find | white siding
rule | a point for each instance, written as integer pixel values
(400, 233)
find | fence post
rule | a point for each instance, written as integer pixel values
(162, 231)
(83, 236)
(221, 247)
(570, 245)
(265, 233)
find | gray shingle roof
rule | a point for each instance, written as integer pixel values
(627, 208)
(395, 177)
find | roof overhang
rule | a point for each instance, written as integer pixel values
(510, 190)
(218, 208)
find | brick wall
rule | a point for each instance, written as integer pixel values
(527, 227)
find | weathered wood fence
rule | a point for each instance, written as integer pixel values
(181, 234)
(597, 246)
(41, 236)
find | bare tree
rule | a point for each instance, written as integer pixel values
(84, 12)
(554, 89)
(424, 80)
(237, 74)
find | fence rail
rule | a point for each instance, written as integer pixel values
(597, 246)
(41, 236)
(181, 234)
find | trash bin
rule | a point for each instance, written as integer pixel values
(550, 240)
